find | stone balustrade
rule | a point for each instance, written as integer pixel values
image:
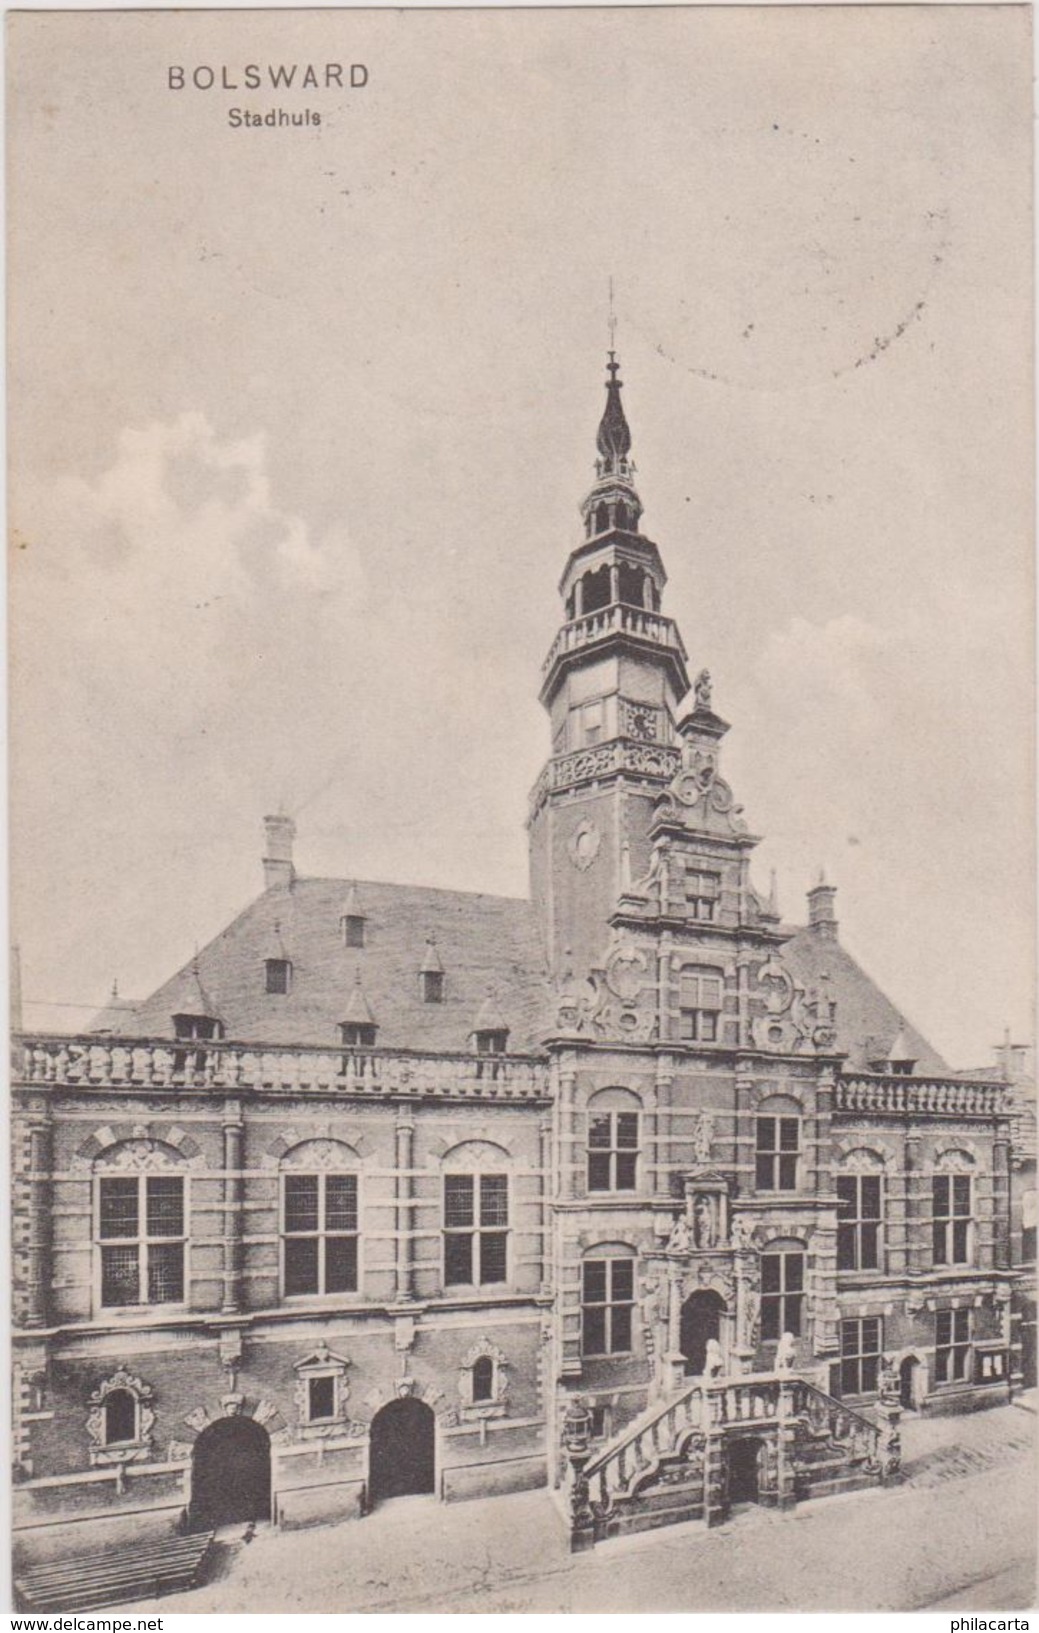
(617, 619)
(88, 1062)
(880, 1094)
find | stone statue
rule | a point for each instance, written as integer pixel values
(786, 1352)
(703, 1218)
(679, 1241)
(742, 1233)
(702, 689)
(714, 1360)
(703, 1134)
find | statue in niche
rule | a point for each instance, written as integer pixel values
(742, 1234)
(704, 1221)
(679, 1240)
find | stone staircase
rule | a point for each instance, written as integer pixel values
(687, 1457)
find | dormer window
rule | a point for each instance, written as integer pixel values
(278, 976)
(432, 986)
(358, 1034)
(491, 1042)
(353, 930)
(203, 1027)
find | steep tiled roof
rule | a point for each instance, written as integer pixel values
(867, 1022)
(483, 943)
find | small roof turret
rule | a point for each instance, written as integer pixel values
(489, 1017)
(358, 1009)
(193, 999)
(116, 1017)
(431, 963)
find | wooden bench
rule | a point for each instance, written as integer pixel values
(141, 1571)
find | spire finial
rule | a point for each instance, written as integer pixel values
(611, 322)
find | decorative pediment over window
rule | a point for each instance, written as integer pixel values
(483, 1381)
(955, 1162)
(121, 1420)
(322, 1392)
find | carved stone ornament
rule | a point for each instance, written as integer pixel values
(703, 1136)
(321, 1363)
(584, 845)
(615, 1004)
(496, 1405)
(139, 1448)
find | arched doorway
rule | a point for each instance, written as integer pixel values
(402, 1450)
(230, 1473)
(701, 1321)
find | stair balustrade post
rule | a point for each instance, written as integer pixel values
(889, 1438)
(577, 1424)
(786, 1445)
(715, 1472)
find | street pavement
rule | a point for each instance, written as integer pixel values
(959, 1534)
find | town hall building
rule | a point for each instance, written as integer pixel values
(631, 1191)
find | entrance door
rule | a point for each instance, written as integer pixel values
(230, 1473)
(743, 1469)
(701, 1321)
(402, 1454)
(907, 1375)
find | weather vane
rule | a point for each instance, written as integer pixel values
(611, 322)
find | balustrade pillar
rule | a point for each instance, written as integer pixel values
(39, 1234)
(233, 1197)
(405, 1194)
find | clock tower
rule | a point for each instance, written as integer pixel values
(612, 684)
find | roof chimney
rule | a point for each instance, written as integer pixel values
(279, 833)
(821, 916)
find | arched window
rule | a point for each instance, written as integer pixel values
(952, 1209)
(860, 1211)
(476, 1216)
(782, 1289)
(483, 1379)
(120, 1411)
(602, 518)
(320, 1219)
(141, 1227)
(613, 1140)
(608, 1300)
(777, 1144)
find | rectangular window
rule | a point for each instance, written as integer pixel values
(607, 1305)
(778, 1144)
(702, 891)
(951, 1218)
(278, 972)
(951, 1345)
(432, 986)
(476, 1219)
(700, 1004)
(782, 1293)
(321, 1399)
(141, 1234)
(613, 1145)
(320, 1232)
(861, 1348)
(859, 1214)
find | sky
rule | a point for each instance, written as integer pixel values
(301, 420)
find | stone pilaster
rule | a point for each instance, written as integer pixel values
(405, 1192)
(39, 1237)
(233, 1186)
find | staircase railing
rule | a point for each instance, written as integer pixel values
(825, 1418)
(632, 1459)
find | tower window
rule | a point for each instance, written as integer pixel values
(613, 1151)
(702, 889)
(778, 1144)
(432, 986)
(782, 1293)
(278, 973)
(591, 723)
(699, 1005)
(353, 930)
